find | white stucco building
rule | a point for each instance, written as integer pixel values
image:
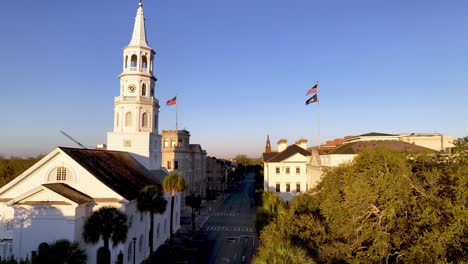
(285, 170)
(52, 199)
(295, 168)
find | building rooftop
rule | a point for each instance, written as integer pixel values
(116, 169)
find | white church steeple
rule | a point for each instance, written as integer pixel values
(136, 109)
(139, 33)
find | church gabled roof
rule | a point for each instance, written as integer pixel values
(288, 152)
(269, 155)
(68, 192)
(116, 169)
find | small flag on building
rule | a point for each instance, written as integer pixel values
(313, 99)
(312, 90)
(172, 101)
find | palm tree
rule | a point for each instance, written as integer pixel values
(173, 183)
(151, 199)
(194, 201)
(60, 251)
(108, 223)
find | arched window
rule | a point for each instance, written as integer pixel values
(126, 62)
(143, 90)
(129, 252)
(133, 62)
(144, 120)
(140, 243)
(61, 174)
(166, 142)
(144, 62)
(157, 231)
(128, 119)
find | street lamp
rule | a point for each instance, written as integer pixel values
(134, 249)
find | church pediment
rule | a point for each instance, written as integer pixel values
(51, 194)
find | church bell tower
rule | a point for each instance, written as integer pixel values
(136, 109)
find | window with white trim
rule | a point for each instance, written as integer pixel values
(61, 174)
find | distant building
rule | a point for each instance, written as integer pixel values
(189, 160)
(285, 170)
(216, 174)
(296, 168)
(435, 141)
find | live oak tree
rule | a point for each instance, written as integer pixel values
(382, 207)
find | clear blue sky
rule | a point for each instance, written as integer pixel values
(240, 68)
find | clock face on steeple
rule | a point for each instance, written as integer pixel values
(131, 88)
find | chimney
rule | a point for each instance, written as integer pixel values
(302, 143)
(282, 143)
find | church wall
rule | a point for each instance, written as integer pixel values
(38, 224)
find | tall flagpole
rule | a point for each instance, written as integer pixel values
(318, 113)
(176, 115)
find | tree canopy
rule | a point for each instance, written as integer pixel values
(384, 206)
(151, 199)
(173, 183)
(14, 166)
(108, 223)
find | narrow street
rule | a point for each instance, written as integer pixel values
(230, 228)
(224, 235)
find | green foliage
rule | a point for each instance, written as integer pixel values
(271, 205)
(383, 207)
(272, 202)
(60, 251)
(151, 199)
(194, 201)
(246, 161)
(173, 183)
(14, 261)
(108, 223)
(14, 166)
(282, 252)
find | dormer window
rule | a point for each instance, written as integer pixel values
(61, 174)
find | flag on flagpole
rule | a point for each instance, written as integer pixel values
(172, 101)
(313, 99)
(312, 90)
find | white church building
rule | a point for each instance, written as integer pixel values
(52, 199)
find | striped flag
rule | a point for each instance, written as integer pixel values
(312, 90)
(172, 101)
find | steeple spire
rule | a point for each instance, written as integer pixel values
(139, 33)
(268, 145)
